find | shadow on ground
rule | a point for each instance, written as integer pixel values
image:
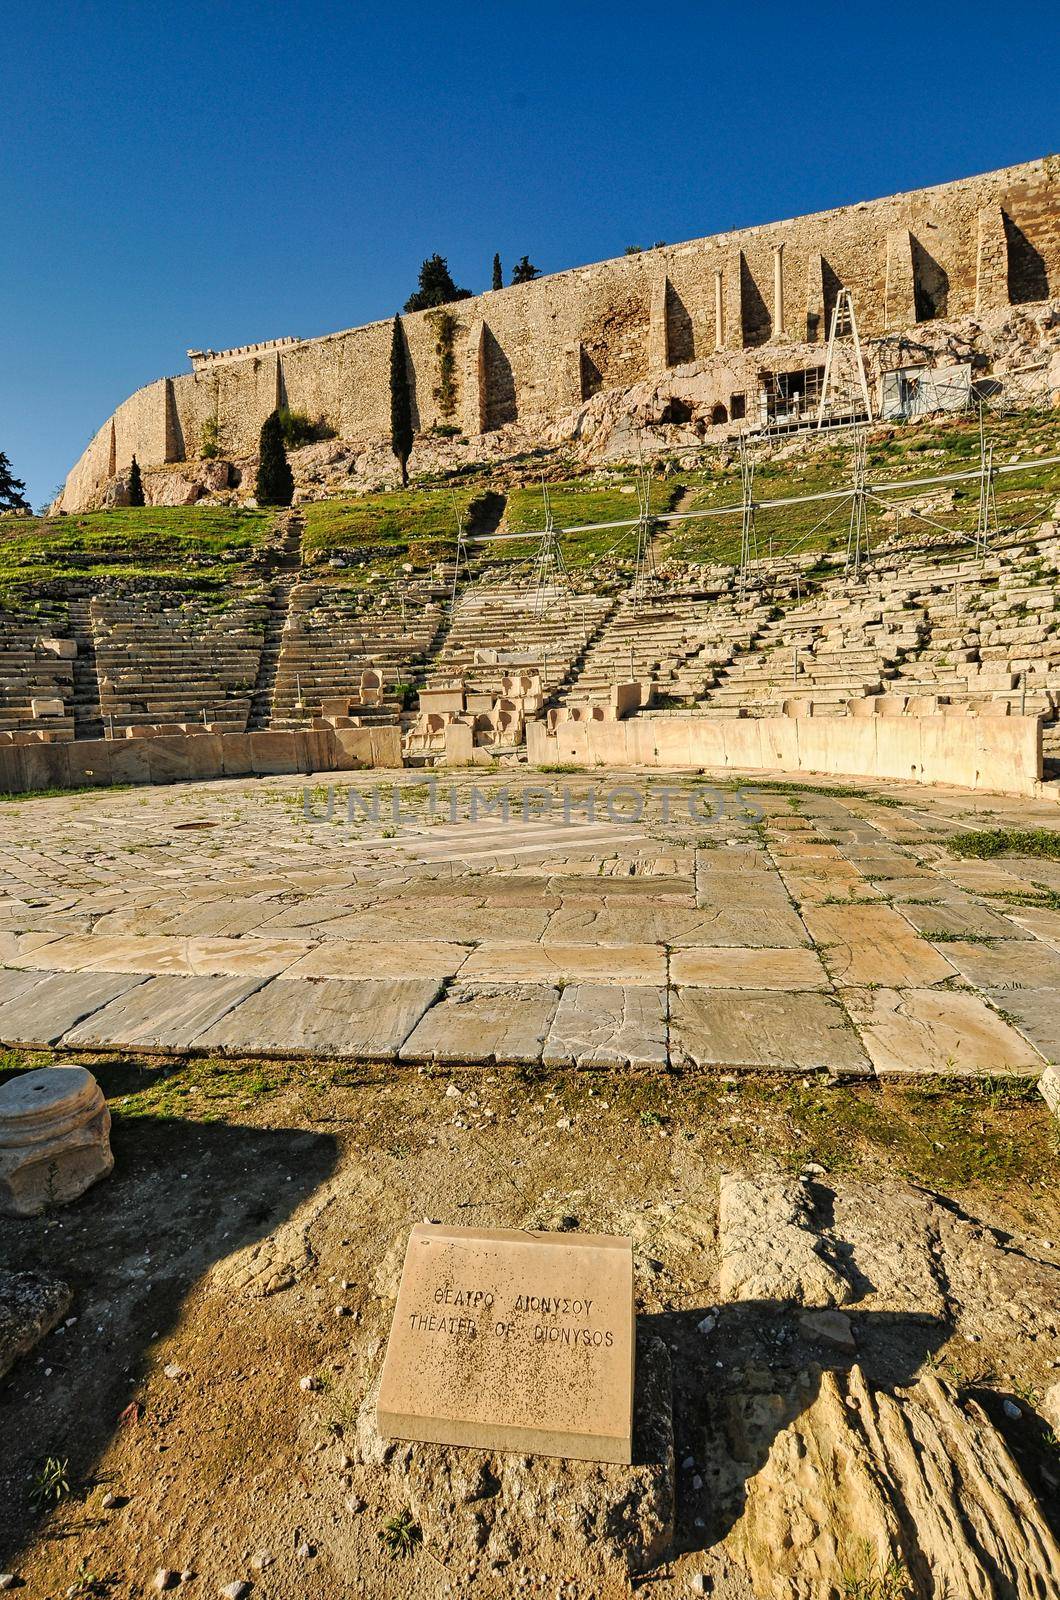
(183, 1195)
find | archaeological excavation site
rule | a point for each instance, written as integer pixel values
(530, 941)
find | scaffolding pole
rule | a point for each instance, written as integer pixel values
(748, 535)
(644, 568)
(550, 569)
(986, 518)
(857, 535)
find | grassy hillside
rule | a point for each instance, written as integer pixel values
(191, 547)
(417, 525)
(574, 503)
(897, 453)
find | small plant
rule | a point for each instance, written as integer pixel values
(444, 324)
(401, 1535)
(210, 439)
(889, 1583)
(984, 843)
(51, 1484)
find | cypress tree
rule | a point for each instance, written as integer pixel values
(11, 495)
(275, 480)
(400, 402)
(436, 286)
(136, 484)
(498, 276)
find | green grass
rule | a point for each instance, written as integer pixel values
(575, 502)
(418, 525)
(194, 548)
(896, 451)
(984, 843)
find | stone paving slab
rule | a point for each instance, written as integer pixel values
(764, 927)
(51, 1007)
(343, 958)
(368, 1018)
(1007, 965)
(764, 1031)
(485, 1022)
(164, 953)
(873, 944)
(1036, 1013)
(461, 921)
(628, 924)
(513, 961)
(166, 1013)
(956, 918)
(1039, 921)
(729, 967)
(602, 1025)
(13, 984)
(937, 1031)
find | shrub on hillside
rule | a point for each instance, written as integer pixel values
(274, 485)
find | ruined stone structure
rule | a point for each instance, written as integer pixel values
(535, 351)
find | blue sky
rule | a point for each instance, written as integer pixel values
(211, 174)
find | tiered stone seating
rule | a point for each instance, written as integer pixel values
(499, 629)
(188, 662)
(826, 651)
(674, 643)
(36, 678)
(334, 635)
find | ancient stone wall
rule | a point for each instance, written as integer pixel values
(534, 350)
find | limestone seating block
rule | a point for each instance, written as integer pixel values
(54, 1139)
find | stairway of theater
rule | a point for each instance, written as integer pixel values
(33, 677)
(500, 629)
(179, 663)
(333, 634)
(676, 643)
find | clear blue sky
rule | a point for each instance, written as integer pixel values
(187, 175)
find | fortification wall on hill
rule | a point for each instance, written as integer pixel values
(530, 352)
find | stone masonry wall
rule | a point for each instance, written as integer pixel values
(533, 351)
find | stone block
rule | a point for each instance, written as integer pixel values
(510, 1340)
(54, 1139)
(30, 1307)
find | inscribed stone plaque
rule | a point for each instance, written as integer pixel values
(513, 1341)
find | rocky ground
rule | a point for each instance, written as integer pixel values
(208, 1391)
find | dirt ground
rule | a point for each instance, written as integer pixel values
(251, 1236)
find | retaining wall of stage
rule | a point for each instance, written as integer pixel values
(194, 758)
(1000, 754)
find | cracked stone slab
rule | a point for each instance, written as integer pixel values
(1007, 966)
(367, 1018)
(765, 1031)
(165, 953)
(57, 1002)
(729, 967)
(500, 961)
(873, 944)
(1036, 1013)
(605, 1025)
(956, 918)
(166, 1013)
(30, 1306)
(938, 1031)
(412, 958)
(485, 1022)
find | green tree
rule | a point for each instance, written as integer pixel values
(275, 481)
(498, 275)
(523, 270)
(436, 286)
(11, 495)
(400, 402)
(136, 484)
